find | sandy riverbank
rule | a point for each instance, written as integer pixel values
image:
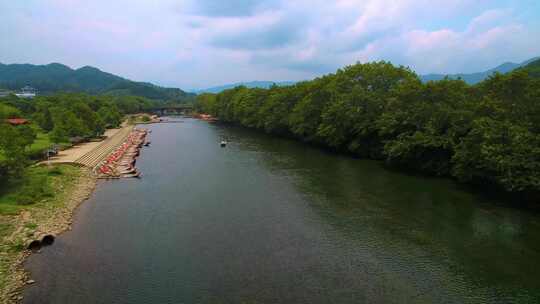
(72, 154)
(52, 219)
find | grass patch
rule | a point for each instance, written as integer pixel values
(36, 185)
(30, 225)
(31, 187)
(5, 229)
(55, 171)
(17, 246)
(139, 118)
(38, 189)
(41, 143)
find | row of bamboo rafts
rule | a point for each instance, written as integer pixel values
(121, 162)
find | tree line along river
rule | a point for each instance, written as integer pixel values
(270, 220)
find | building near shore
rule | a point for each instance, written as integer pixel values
(27, 92)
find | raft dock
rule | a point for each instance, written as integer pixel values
(113, 157)
(120, 161)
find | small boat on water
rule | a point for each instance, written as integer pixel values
(223, 143)
(133, 175)
(146, 144)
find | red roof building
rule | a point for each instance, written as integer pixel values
(17, 121)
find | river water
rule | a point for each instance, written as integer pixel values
(270, 220)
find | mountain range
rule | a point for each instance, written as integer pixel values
(56, 77)
(474, 78)
(471, 78)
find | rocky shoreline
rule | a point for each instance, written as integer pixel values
(51, 221)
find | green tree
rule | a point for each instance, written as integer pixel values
(500, 152)
(484, 133)
(66, 125)
(13, 144)
(7, 111)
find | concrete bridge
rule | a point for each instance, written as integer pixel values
(173, 109)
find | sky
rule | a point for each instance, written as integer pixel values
(202, 43)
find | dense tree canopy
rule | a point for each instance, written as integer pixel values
(13, 144)
(60, 117)
(74, 115)
(489, 132)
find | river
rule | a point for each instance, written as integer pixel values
(271, 220)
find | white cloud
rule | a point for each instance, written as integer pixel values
(477, 48)
(201, 43)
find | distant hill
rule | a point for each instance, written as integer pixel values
(474, 78)
(251, 84)
(533, 68)
(56, 77)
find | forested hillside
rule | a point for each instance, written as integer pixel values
(487, 133)
(533, 69)
(55, 77)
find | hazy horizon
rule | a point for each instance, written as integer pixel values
(201, 44)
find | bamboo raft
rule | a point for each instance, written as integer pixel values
(121, 162)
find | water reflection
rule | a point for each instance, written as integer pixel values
(468, 234)
(269, 220)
